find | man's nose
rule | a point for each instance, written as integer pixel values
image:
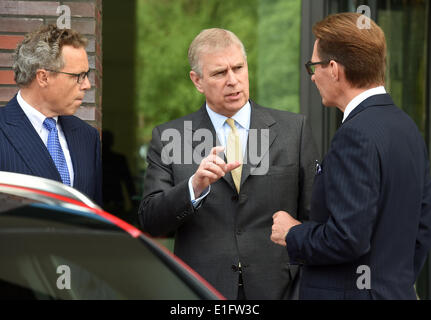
(86, 85)
(313, 77)
(231, 78)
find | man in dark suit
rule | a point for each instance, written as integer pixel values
(370, 221)
(38, 133)
(220, 206)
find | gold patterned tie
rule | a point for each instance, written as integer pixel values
(234, 152)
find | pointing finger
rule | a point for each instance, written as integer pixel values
(217, 150)
(231, 166)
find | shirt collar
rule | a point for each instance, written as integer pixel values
(356, 101)
(242, 117)
(36, 118)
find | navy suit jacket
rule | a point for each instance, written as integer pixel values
(23, 151)
(371, 206)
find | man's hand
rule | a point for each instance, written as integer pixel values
(210, 170)
(282, 222)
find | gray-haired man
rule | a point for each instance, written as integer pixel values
(38, 133)
(220, 208)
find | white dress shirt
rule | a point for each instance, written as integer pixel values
(36, 118)
(222, 129)
(356, 101)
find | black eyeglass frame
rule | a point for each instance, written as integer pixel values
(309, 64)
(79, 76)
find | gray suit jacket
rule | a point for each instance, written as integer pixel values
(226, 227)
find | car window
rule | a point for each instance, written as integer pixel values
(54, 256)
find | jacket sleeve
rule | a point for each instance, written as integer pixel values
(165, 204)
(423, 239)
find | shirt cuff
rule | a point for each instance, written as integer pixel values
(195, 202)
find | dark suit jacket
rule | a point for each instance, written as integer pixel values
(228, 227)
(371, 205)
(22, 150)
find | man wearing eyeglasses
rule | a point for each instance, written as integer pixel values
(38, 133)
(370, 221)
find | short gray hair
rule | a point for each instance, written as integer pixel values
(41, 49)
(211, 39)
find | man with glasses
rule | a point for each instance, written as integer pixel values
(38, 133)
(370, 221)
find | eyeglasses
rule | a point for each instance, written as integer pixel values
(310, 66)
(79, 76)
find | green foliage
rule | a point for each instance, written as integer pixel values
(279, 54)
(269, 30)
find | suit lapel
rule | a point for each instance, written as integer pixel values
(71, 133)
(259, 132)
(259, 120)
(24, 138)
(203, 121)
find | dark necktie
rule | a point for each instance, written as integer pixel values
(56, 151)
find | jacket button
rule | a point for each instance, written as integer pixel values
(238, 232)
(234, 268)
(235, 198)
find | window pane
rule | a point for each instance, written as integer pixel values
(405, 24)
(104, 261)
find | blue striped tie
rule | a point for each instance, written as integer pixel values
(55, 150)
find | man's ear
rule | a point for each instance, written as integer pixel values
(335, 70)
(42, 78)
(196, 79)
